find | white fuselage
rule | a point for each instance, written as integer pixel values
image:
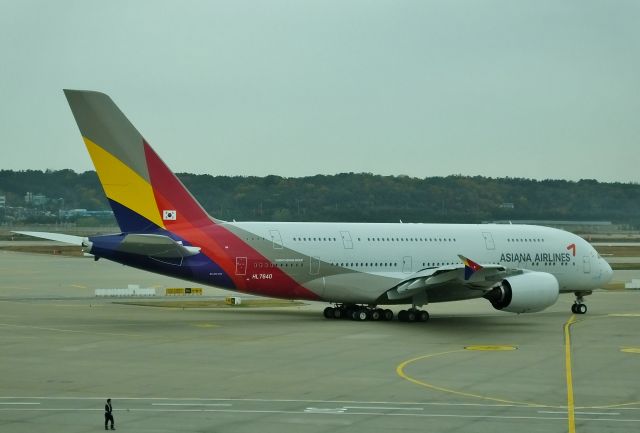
(335, 259)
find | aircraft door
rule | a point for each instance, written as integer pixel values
(346, 240)
(314, 265)
(488, 241)
(586, 264)
(407, 264)
(241, 266)
(276, 239)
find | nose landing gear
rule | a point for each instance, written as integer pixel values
(579, 307)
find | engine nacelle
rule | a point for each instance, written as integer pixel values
(525, 293)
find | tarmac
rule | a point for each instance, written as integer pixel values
(469, 369)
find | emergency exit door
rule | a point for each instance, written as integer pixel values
(241, 266)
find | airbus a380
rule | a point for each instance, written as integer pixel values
(355, 267)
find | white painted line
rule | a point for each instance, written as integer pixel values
(276, 400)
(613, 408)
(17, 402)
(581, 413)
(287, 412)
(262, 400)
(383, 408)
(329, 410)
(313, 412)
(597, 413)
(191, 404)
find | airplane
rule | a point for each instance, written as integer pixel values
(355, 267)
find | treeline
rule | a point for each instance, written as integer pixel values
(361, 197)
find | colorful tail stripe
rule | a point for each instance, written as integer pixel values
(124, 162)
(470, 267)
(146, 197)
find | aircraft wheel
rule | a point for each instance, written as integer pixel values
(348, 313)
(388, 315)
(337, 313)
(411, 316)
(423, 316)
(329, 313)
(573, 308)
(359, 315)
(581, 308)
(403, 316)
(376, 314)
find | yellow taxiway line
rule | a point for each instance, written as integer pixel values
(571, 415)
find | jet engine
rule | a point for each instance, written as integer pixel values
(525, 293)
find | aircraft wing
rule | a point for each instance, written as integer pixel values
(156, 246)
(437, 282)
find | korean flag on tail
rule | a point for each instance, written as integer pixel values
(169, 215)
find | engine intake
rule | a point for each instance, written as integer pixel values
(525, 293)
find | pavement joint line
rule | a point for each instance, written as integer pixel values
(19, 403)
(77, 331)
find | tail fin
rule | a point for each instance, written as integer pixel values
(144, 194)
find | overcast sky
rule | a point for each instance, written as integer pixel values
(536, 89)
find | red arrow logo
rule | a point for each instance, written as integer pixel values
(572, 247)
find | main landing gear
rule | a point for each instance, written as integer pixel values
(413, 315)
(362, 313)
(357, 312)
(579, 307)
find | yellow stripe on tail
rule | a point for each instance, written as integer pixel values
(123, 185)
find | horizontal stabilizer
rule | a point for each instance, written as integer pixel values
(156, 246)
(58, 237)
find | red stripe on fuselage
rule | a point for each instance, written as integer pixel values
(193, 224)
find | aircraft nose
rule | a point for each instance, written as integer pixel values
(607, 272)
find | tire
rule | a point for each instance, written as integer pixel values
(573, 309)
(337, 313)
(411, 316)
(423, 316)
(403, 316)
(582, 309)
(376, 314)
(362, 315)
(387, 315)
(329, 313)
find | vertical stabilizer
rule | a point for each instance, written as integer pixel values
(144, 194)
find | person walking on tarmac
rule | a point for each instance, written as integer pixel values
(108, 415)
